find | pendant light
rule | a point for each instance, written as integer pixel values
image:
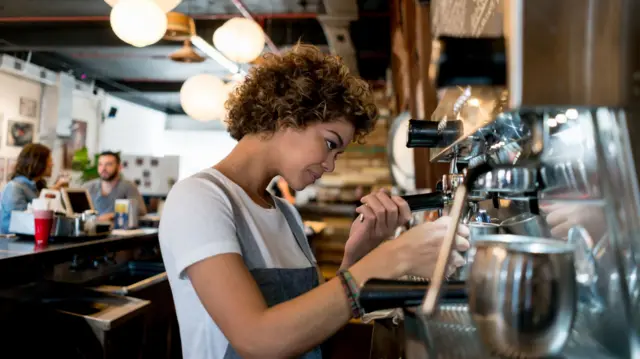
(239, 39)
(139, 23)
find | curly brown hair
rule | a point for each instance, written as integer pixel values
(296, 89)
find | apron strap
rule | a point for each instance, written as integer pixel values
(296, 229)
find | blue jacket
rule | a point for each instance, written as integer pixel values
(16, 196)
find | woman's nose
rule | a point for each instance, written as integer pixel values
(329, 166)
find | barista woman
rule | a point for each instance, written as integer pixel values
(244, 281)
(34, 164)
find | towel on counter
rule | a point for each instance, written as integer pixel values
(395, 315)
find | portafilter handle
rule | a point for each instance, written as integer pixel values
(426, 201)
(379, 294)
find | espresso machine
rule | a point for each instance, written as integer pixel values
(541, 100)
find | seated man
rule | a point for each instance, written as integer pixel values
(104, 191)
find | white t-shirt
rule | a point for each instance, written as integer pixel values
(197, 223)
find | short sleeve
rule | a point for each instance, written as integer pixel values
(197, 223)
(89, 186)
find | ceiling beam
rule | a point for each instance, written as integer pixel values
(70, 44)
(99, 33)
(258, 17)
(336, 24)
(143, 85)
(143, 101)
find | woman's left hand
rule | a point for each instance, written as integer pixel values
(61, 182)
(380, 215)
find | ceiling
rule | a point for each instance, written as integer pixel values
(75, 36)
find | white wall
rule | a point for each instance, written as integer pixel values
(135, 130)
(86, 107)
(186, 123)
(11, 89)
(138, 130)
(197, 149)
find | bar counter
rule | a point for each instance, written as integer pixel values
(110, 295)
(13, 248)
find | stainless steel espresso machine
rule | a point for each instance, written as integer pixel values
(544, 108)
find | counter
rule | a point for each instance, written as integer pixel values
(78, 286)
(23, 250)
(16, 247)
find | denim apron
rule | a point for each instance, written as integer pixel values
(276, 284)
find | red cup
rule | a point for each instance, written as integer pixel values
(43, 224)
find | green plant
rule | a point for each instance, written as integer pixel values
(82, 163)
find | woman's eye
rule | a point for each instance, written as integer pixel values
(331, 145)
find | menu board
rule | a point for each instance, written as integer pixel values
(154, 176)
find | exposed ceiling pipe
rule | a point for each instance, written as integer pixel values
(81, 52)
(243, 10)
(213, 53)
(257, 17)
(71, 65)
(275, 16)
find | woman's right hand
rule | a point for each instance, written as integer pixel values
(416, 250)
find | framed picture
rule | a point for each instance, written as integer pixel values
(19, 133)
(154, 176)
(28, 107)
(77, 141)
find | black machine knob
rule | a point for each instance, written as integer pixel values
(426, 201)
(426, 134)
(379, 294)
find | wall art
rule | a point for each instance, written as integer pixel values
(77, 141)
(28, 107)
(19, 133)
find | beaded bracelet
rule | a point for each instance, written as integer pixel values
(352, 292)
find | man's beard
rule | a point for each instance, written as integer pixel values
(109, 177)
